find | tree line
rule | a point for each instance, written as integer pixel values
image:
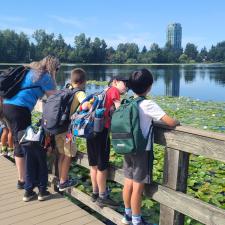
(16, 47)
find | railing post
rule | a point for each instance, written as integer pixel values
(175, 176)
(53, 169)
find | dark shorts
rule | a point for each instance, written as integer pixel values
(19, 119)
(4, 123)
(98, 149)
(138, 167)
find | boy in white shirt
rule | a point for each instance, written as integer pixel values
(138, 167)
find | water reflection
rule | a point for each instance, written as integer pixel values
(190, 74)
(173, 80)
(167, 78)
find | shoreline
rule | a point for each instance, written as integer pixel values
(125, 64)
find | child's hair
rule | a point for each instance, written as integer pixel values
(140, 81)
(78, 76)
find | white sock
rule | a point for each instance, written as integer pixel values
(136, 219)
(128, 211)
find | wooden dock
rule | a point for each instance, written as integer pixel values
(56, 210)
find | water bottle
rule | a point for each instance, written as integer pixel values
(99, 121)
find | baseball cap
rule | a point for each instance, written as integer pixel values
(119, 78)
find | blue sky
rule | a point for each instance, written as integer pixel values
(118, 21)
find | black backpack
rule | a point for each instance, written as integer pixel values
(11, 80)
(56, 111)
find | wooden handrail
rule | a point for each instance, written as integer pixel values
(178, 201)
(179, 143)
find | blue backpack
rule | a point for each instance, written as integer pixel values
(86, 123)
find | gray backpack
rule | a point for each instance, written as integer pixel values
(56, 111)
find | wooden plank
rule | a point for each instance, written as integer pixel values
(8, 187)
(85, 220)
(11, 178)
(56, 210)
(18, 203)
(79, 214)
(6, 191)
(192, 207)
(175, 174)
(105, 211)
(9, 195)
(9, 203)
(28, 205)
(191, 130)
(6, 170)
(196, 144)
(17, 206)
(36, 212)
(94, 223)
(52, 214)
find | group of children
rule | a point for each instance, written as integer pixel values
(137, 167)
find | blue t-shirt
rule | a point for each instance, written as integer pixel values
(28, 97)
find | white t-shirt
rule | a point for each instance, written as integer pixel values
(148, 111)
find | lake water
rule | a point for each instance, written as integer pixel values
(201, 81)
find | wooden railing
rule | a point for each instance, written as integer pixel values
(174, 203)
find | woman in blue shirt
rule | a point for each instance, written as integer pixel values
(17, 111)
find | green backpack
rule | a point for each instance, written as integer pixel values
(126, 132)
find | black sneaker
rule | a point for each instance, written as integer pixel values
(107, 202)
(29, 195)
(143, 222)
(67, 184)
(20, 185)
(94, 197)
(126, 219)
(43, 195)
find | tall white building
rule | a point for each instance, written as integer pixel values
(174, 35)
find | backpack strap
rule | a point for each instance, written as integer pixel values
(25, 71)
(75, 90)
(104, 99)
(139, 99)
(35, 86)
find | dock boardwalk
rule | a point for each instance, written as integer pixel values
(56, 210)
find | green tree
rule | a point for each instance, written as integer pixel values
(99, 51)
(202, 55)
(155, 54)
(128, 52)
(110, 55)
(23, 48)
(83, 50)
(45, 43)
(119, 57)
(191, 51)
(217, 53)
(144, 50)
(170, 54)
(183, 58)
(60, 48)
(13, 47)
